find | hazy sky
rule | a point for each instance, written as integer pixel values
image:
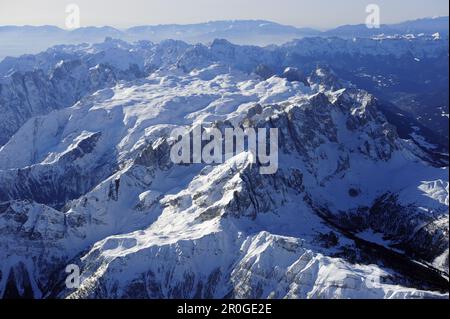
(125, 13)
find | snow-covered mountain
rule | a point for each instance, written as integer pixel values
(354, 210)
(407, 74)
(257, 32)
(35, 39)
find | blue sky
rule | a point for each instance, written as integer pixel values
(125, 13)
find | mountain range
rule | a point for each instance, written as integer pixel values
(357, 209)
(257, 32)
(409, 75)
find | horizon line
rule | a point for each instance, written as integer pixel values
(215, 21)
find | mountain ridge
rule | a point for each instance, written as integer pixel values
(257, 32)
(24, 80)
(149, 228)
(358, 207)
